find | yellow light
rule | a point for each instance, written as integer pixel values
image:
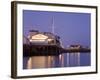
(39, 37)
(50, 40)
(38, 40)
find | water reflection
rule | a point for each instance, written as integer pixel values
(62, 60)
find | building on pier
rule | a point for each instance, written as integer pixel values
(43, 38)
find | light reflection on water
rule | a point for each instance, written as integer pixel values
(62, 60)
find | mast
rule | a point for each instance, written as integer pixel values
(53, 31)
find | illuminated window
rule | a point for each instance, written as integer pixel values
(38, 38)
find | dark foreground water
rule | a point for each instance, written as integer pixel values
(63, 60)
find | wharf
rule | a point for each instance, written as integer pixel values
(37, 50)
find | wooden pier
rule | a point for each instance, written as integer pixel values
(37, 50)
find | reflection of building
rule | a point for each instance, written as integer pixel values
(43, 38)
(40, 62)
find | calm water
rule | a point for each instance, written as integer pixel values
(63, 60)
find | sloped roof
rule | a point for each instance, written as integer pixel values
(39, 37)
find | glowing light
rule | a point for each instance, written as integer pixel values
(36, 40)
(50, 40)
(39, 37)
(60, 56)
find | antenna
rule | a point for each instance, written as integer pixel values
(53, 25)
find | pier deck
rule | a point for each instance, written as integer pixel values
(31, 50)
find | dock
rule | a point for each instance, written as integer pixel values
(37, 50)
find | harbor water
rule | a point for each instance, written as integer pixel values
(62, 60)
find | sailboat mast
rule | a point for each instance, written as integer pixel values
(53, 31)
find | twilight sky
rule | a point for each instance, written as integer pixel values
(73, 28)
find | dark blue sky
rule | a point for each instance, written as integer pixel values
(73, 28)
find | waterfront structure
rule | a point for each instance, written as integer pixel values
(75, 46)
(43, 38)
(47, 43)
(41, 43)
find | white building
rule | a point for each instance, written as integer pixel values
(43, 38)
